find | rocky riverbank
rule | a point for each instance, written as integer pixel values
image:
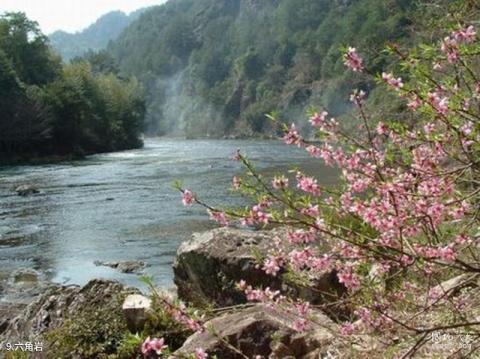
(106, 319)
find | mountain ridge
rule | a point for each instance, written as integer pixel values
(217, 66)
(95, 37)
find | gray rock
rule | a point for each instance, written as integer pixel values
(26, 190)
(49, 310)
(8, 311)
(135, 308)
(208, 266)
(455, 284)
(124, 267)
(25, 276)
(260, 330)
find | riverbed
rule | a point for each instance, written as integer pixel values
(122, 206)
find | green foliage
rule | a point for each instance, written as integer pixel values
(101, 62)
(161, 324)
(27, 49)
(212, 66)
(130, 346)
(94, 332)
(47, 109)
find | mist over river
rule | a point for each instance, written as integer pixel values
(122, 206)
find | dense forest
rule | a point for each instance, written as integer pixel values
(95, 37)
(206, 67)
(48, 109)
(215, 67)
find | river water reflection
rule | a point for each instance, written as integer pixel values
(122, 206)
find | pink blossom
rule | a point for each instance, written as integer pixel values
(300, 324)
(260, 295)
(382, 129)
(200, 354)
(260, 216)
(365, 314)
(326, 153)
(406, 260)
(193, 325)
(322, 263)
(347, 329)
(466, 35)
(292, 137)
(156, 345)
(272, 265)
(462, 239)
(146, 346)
(311, 211)
(302, 236)
(467, 128)
(187, 197)
(392, 81)
(450, 47)
(317, 120)
(300, 259)
(348, 278)
(414, 103)
(254, 295)
(219, 217)
(459, 211)
(303, 308)
(353, 60)
(439, 103)
(357, 97)
(280, 182)
(314, 151)
(308, 184)
(447, 254)
(429, 128)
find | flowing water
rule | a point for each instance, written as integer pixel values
(121, 206)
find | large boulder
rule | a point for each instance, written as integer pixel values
(208, 266)
(261, 330)
(50, 309)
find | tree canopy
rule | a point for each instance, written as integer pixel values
(47, 108)
(215, 66)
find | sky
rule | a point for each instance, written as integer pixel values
(70, 15)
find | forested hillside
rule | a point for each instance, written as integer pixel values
(93, 38)
(215, 67)
(49, 109)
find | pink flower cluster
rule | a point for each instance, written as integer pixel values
(392, 81)
(280, 182)
(258, 295)
(154, 345)
(404, 204)
(200, 354)
(308, 184)
(272, 265)
(438, 102)
(292, 137)
(353, 60)
(187, 197)
(451, 44)
(219, 217)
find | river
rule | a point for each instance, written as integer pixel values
(122, 206)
